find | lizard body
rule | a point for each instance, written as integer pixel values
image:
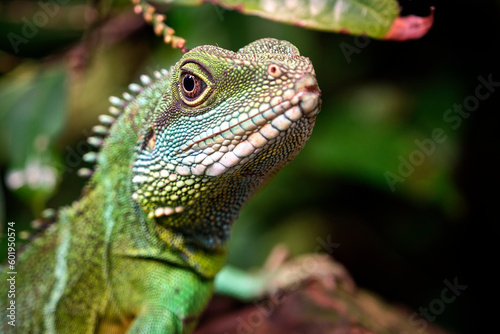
(138, 252)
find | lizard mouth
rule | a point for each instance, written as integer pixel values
(236, 141)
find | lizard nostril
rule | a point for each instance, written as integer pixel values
(307, 83)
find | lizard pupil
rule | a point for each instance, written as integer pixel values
(192, 86)
(188, 83)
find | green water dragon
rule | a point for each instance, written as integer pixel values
(138, 252)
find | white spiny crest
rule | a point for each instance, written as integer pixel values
(47, 218)
(90, 157)
(85, 172)
(116, 109)
(117, 101)
(101, 130)
(95, 141)
(106, 119)
(49, 214)
(146, 81)
(135, 88)
(127, 96)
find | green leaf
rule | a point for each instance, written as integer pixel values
(373, 18)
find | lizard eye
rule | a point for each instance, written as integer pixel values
(193, 89)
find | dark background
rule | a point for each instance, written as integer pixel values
(437, 225)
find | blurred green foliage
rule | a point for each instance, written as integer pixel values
(33, 115)
(378, 100)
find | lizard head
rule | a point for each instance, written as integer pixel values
(228, 122)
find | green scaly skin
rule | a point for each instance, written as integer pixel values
(138, 252)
